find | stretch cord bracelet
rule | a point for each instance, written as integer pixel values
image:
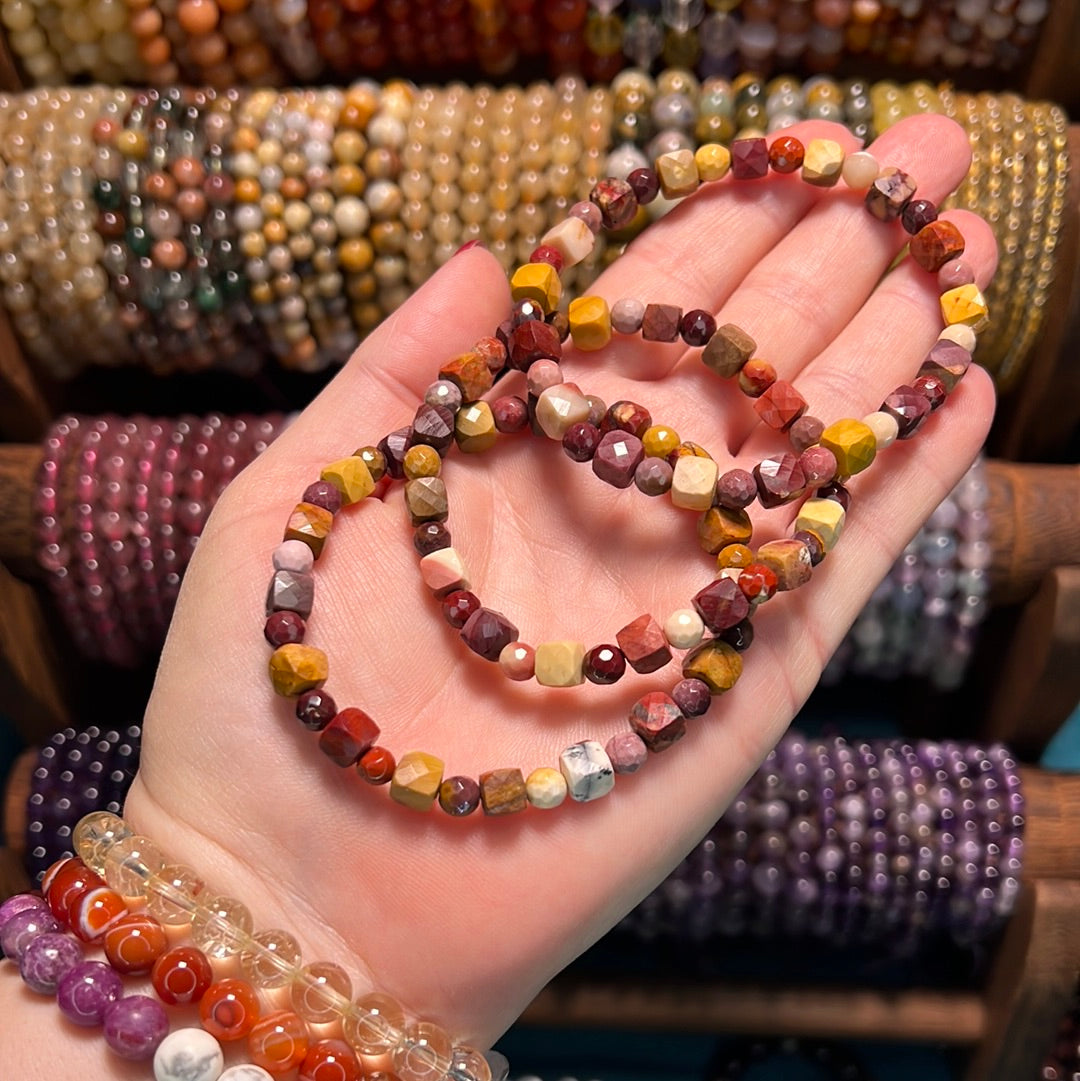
(122, 893)
(532, 337)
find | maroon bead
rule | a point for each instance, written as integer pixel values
(660, 323)
(736, 489)
(697, 326)
(909, 407)
(604, 665)
(597, 410)
(692, 697)
(780, 405)
(323, 494)
(805, 432)
(283, 628)
(818, 465)
(813, 543)
(580, 441)
(749, 159)
(510, 412)
(533, 340)
(657, 720)
(617, 457)
(646, 185)
(459, 796)
(615, 200)
(348, 736)
(458, 606)
(780, 479)
(315, 710)
(933, 388)
(838, 492)
(954, 273)
(740, 637)
(526, 311)
(291, 591)
(487, 633)
(653, 476)
(433, 426)
(559, 321)
(545, 253)
(626, 416)
(431, 537)
(721, 604)
(393, 448)
(644, 644)
(948, 361)
(917, 215)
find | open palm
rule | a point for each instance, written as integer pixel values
(464, 920)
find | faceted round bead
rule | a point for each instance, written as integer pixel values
(918, 214)
(545, 788)
(836, 491)
(545, 253)
(740, 637)
(692, 697)
(330, 1060)
(94, 911)
(627, 752)
(284, 627)
(805, 432)
(315, 710)
(758, 582)
(229, 1009)
(323, 494)
(134, 943)
(684, 628)
(295, 556)
(86, 990)
(736, 489)
(445, 393)
(374, 1024)
(95, 834)
(542, 374)
(176, 889)
(653, 476)
(645, 183)
(188, 1054)
(818, 465)
(318, 990)
(510, 412)
(786, 154)
(933, 388)
(626, 315)
(518, 661)
(273, 962)
(696, 327)
(421, 461)
(626, 416)
(580, 441)
(458, 606)
(431, 537)
(181, 975)
(278, 1042)
(375, 460)
(135, 1026)
(734, 555)
(377, 765)
(128, 863)
(219, 925)
(47, 959)
(604, 664)
(423, 1053)
(755, 377)
(459, 796)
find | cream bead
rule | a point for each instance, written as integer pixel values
(823, 517)
(884, 426)
(560, 664)
(545, 788)
(572, 239)
(684, 628)
(693, 484)
(860, 170)
(961, 334)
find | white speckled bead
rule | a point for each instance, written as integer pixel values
(545, 788)
(684, 628)
(246, 1071)
(560, 664)
(295, 556)
(571, 238)
(588, 771)
(824, 517)
(188, 1054)
(443, 571)
(884, 427)
(962, 334)
(693, 484)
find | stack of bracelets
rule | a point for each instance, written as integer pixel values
(195, 229)
(123, 895)
(222, 42)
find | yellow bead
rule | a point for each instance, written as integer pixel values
(659, 441)
(351, 477)
(560, 664)
(715, 663)
(416, 780)
(713, 161)
(678, 173)
(295, 668)
(853, 443)
(132, 144)
(590, 322)
(734, 555)
(474, 428)
(538, 282)
(822, 162)
(823, 517)
(545, 787)
(965, 304)
(421, 461)
(310, 524)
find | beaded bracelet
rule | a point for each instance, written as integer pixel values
(586, 769)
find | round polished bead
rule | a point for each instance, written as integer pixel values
(696, 327)
(330, 1060)
(47, 959)
(692, 696)
(431, 537)
(63, 882)
(580, 441)
(421, 461)
(518, 661)
(545, 253)
(323, 494)
(315, 710)
(458, 606)
(188, 1054)
(373, 1024)
(317, 990)
(284, 627)
(272, 961)
(917, 215)
(459, 796)
(176, 889)
(94, 911)
(443, 392)
(684, 628)
(589, 214)
(654, 476)
(884, 427)
(181, 975)
(229, 1009)
(953, 274)
(626, 315)
(423, 1053)
(542, 374)
(860, 170)
(375, 460)
(645, 183)
(278, 1042)
(86, 990)
(134, 943)
(736, 489)
(805, 432)
(740, 637)
(510, 412)
(294, 556)
(128, 862)
(933, 388)
(604, 665)
(135, 1026)
(219, 925)
(377, 765)
(22, 902)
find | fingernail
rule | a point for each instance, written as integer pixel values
(471, 244)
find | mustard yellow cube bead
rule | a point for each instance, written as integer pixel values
(311, 524)
(715, 663)
(351, 477)
(590, 322)
(822, 162)
(853, 443)
(713, 161)
(966, 305)
(416, 780)
(678, 173)
(295, 668)
(421, 461)
(824, 517)
(474, 428)
(538, 282)
(693, 484)
(560, 664)
(659, 441)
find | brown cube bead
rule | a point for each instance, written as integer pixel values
(728, 350)
(502, 792)
(660, 323)
(644, 644)
(936, 244)
(720, 526)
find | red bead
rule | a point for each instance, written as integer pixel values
(545, 253)
(721, 604)
(533, 340)
(376, 765)
(229, 1009)
(749, 159)
(933, 388)
(818, 465)
(348, 736)
(604, 665)
(644, 644)
(458, 606)
(315, 710)
(94, 911)
(580, 441)
(696, 327)
(282, 628)
(181, 975)
(488, 632)
(626, 416)
(63, 882)
(780, 405)
(657, 720)
(134, 943)
(278, 1042)
(330, 1060)
(757, 581)
(646, 184)
(510, 412)
(786, 154)
(936, 244)
(780, 479)
(837, 492)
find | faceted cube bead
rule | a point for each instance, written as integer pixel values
(780, 479)
(443, 571)
(533, 340)
(349, 735)
(824, 518)
(559, 408)
(693, 483)
(502, 792)
(459, 796)
(728, 350)
(965, 304)
(351, 477)
(715, 663)
(295, 668)
(627, 416)
(947, 360)
(488, 633)
(909, 408)
(657, 721)
(291, 592)
(590, 322)
(426, 500)
(416, 780)
(588, 771)
(433, 425)
(560, 664)
(935, 244)
(644, 644)
(310, 524)
(660, 323)
(538, 282)
(780, 405)
(721, 604)
(789, 560)
(545, 788)
(627, 752)
(853, 444)
(474, 428)
(889, 194)
(616, 202)
(572, 239)
(719, 527)
(749, 159)
(617, 456)
(678, 173)
(470, 373)
(822, 162)
(421, 461)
